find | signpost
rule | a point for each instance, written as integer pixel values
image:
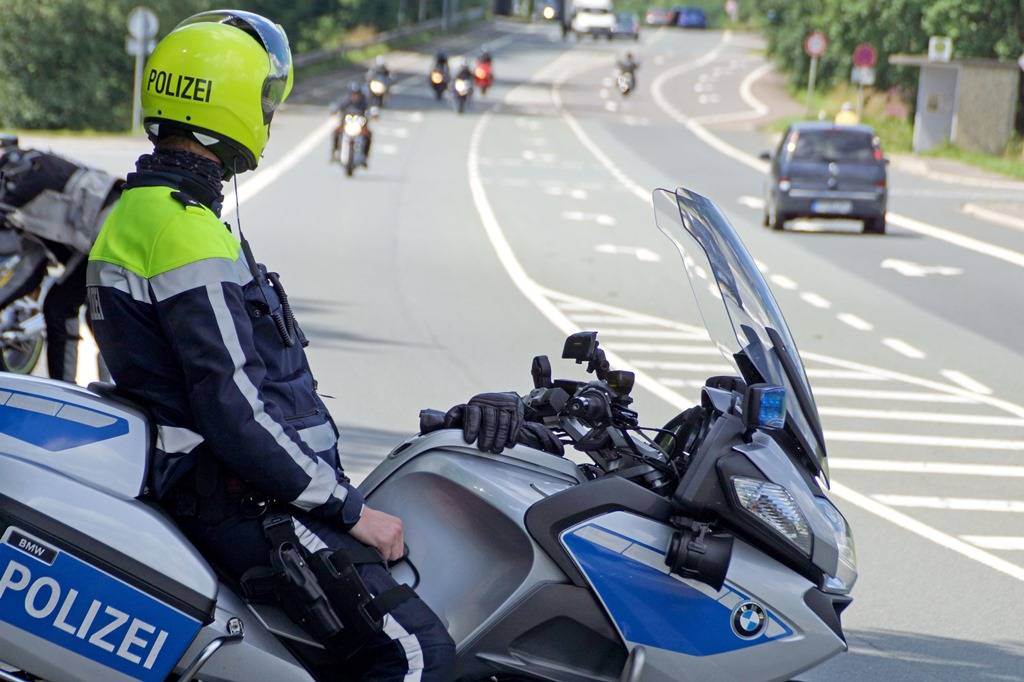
(142, 27)
(864, 59)
(815, 45)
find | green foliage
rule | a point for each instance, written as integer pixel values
(64, 63)
(980, 28)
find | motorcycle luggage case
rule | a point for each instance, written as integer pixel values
(94, 584)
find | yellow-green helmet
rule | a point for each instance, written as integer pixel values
(218, 76)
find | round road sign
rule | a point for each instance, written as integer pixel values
(865, 55)
(142, 23)
(815, 44)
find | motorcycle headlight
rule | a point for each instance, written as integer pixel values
(846, 572)
(461, 87)
(549, 12)
(436, 77)
(376, 87)
(773, 505)
(354, 125)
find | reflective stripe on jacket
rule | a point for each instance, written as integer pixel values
(187, 330)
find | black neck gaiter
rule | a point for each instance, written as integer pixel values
(194, 175)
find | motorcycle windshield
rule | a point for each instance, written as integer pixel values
(738, 309)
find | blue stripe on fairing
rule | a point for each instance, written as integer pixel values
(53, 432)
(655, 609)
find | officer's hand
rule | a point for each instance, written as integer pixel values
(382, 531)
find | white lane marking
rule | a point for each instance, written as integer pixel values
(932, 417)
(1003, 543)
(717, 143)
(782, 282)
(536, 295)
(924, 440)
(636, 121)
(668, 349)
(708, 99)
(638, 252)
(659, 60)
(761, 266)
(751, 202)
(410, 116)
(703, 86)
(910, 269)
(393, 131)
(903, 466)
(855, 322)
(903, 396)
(927, 532)
(600, 319)
(582, 216)
(815, 300)
(919, 167)
(952, 503)
(997, 217)
(816, 373)
(87, 370)
(646, 333)
(606, 82)
(538, 141)
(972, 385)
(904, 348)
(264, 177)
(605, 92)
(611, 106)
(387, 149)
(580, 194)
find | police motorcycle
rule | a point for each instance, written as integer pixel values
(27, 272)
(462, 88)
(707, 550)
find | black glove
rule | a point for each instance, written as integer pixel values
(493, 420)
(536, 435)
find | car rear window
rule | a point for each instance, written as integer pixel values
(831, 145)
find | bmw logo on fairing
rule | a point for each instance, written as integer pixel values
(748, 620)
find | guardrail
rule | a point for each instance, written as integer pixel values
(317, 56)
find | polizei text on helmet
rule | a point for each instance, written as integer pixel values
(179, 85)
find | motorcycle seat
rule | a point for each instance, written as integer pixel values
(110, 392)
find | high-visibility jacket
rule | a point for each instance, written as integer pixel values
(191, 328)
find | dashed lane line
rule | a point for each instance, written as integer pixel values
(912, 416)
(539, 297)
(856, 322)
(904, 348)
(952, 504)
(918, 467)
(1001, 543)
(971, 384)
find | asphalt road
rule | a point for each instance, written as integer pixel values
(474, 242)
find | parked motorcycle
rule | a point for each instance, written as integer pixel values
(352, 144)
(462, 88)
(439, 82)
(25, 280)
(626, 82)
(706, 551)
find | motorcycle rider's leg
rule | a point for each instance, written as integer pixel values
(413, 644)
(369, 143)
(60, 312)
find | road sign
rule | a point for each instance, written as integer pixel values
(142, 27)
(815, 44)
(142, 23)
(940, 49)
(864, 55)
(862, 75)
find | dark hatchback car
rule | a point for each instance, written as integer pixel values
(691, 17)
(822, 170)
(660, 16)
(626, 26)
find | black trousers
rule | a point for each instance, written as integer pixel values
(61, 313)
(414, 645)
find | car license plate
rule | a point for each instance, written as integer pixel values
(832, 206)
(58, 597)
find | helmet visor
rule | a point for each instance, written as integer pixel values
(273, 39)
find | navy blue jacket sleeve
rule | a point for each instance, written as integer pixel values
(202, 309)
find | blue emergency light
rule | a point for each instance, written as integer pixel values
(765, 406)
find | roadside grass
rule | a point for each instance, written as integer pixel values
(897, 132)
(66, 132)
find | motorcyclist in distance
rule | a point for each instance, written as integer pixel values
(628, 64)
(441, 64)
(353, 102)
(379, 70)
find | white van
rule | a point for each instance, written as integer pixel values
(593, 17)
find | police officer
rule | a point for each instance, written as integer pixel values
(201, 334)
(61, 205)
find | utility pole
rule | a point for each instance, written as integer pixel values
(423, 11)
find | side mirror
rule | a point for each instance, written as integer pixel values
(765, 156)
(580, 347)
